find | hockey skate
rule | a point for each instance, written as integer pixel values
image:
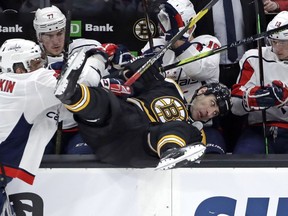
(178, 157)
(66, 84)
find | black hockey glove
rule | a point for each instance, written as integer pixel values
(151, 74)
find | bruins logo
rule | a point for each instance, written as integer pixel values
(167, 109)
(141, 30)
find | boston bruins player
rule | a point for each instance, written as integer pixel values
(154, 121)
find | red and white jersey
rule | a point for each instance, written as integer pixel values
(29, 114)
(273, 69)
(192, 76)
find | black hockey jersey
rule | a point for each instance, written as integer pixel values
(126, 132)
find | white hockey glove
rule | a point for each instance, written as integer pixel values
(170, 21)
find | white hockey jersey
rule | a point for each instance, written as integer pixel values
(29, 114)
(273, 69)
(193, 75)
(90, 76)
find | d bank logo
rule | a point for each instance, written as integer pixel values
(76, 28)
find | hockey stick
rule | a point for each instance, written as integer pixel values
(261, 72)
(58, 139)
(67, 32)
(250, 39)
(7, 209)
(152, 60)
(149, 32)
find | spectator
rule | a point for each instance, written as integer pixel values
(29, 112)
(275, 6)
(214, 23)
(193, 75)
(250, 98)
(154, 121)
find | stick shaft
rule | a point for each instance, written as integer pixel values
(250, 39)
(158, 55)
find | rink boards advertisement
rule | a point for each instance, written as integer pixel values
(146, 192)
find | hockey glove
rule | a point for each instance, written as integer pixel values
(170, 21)
(147, 80)
(280, 91)
(116, 86)
(119, 55)
(260, 98)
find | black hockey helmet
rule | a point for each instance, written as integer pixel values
(222, 94)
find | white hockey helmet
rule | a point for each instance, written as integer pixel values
(18, 50)
(185, 8)
(48, 19)
(279, 20)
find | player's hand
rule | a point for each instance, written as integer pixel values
(260, 98)
(116, 86)
(170, 21)
(280, 90)
(118, 54)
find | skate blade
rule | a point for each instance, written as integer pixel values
(76, 61)
(193, 153)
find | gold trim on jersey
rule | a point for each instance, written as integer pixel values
(204, 140)
(170, 139)
(176, 85)
(141, 105)
(83, 102)
(149, 143)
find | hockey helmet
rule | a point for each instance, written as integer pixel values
(18, 50)
(185, 8)
(222, 94)
(279, 20)
(48, 19)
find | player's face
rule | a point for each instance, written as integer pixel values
(53, 42)
(35, 64)
(280, 48)
(204, 107)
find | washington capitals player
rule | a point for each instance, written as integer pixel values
(50, 25)
(249, 98)
(172, 16)
(154, 121)
(29, 112)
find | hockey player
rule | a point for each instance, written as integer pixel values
(250, 98)
(29, 112)
(172, 17)
(153, 121)
(50, 25)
